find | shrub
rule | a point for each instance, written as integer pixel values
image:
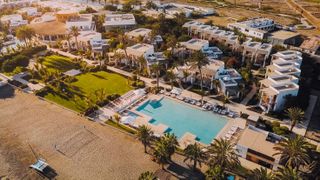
(110, 8)
(19, 69)
(8, 66)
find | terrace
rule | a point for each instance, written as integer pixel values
(119, 20)
(195, 44)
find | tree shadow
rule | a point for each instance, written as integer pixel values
(98, 76)
(183, 173)
(6, 92)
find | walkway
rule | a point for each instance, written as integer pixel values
(306, 14)
(250, 95)
(233, 106)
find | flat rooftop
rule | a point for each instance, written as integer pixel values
(258, 140)
(119, 19)
(286, 87)
(283, 35)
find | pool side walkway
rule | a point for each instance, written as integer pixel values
(233, 106)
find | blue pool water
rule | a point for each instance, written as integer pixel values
(182, 118)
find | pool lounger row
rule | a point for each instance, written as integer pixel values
(231, 133)
(208, 106)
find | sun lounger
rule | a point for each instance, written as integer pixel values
(228, 136)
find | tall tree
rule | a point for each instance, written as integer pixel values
(172, 77)
(287, 173)
(171, 143)
(75, 32)
(145, 136)
(260, 174)
(25, 33)
(161, 152)
(199, 60)
(296, 115)
(215, 173)
(223, 155)
(156, 68)
(194, 153)
(294, 151)
(147, 176)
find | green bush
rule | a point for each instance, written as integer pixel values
(110, 8)
(19, 69)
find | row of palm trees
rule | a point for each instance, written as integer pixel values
(221, 157)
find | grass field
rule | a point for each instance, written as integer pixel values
(87, 84)
(58, 63)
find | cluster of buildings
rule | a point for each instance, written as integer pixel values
(56, 26)
(16, 3)
(282, 77)
(255, 52)
(256, 27)
(171, 9)
(264, 28)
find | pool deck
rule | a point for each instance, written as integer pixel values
(187, 138)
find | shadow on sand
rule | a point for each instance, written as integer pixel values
(6, 92)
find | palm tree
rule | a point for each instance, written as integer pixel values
(172, 77)
(118, 56)
(117, 118)
(161, 152)
(225, 100)
(260, 174)
(68, 38)
(145, 136)
(287, 173)
(147, 176)
(294, 151)
(171, 143)
(172, 43)
(25, 33)
(194, 153)
(75, 32)
(223, 154)
(215, 173)
(199, 60)
(142, 62)
(296, 115)
(155, 68)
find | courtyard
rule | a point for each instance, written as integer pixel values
(84, 85)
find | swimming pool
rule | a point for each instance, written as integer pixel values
(182, 118)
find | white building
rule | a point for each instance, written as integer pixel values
(16, 3)
(282, 79)
(84, 22)
(174, 8)
(147, 52)
(202, 45)
(13, 20)
(229, 80)
(212, 33)
(124, 21)
(88, 40)
(256, 27)
(46, 17)
(140, 32)
(256, 52)
(30, 11)
(257, 146)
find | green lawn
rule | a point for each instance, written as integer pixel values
(58, 63)
(87, 84)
